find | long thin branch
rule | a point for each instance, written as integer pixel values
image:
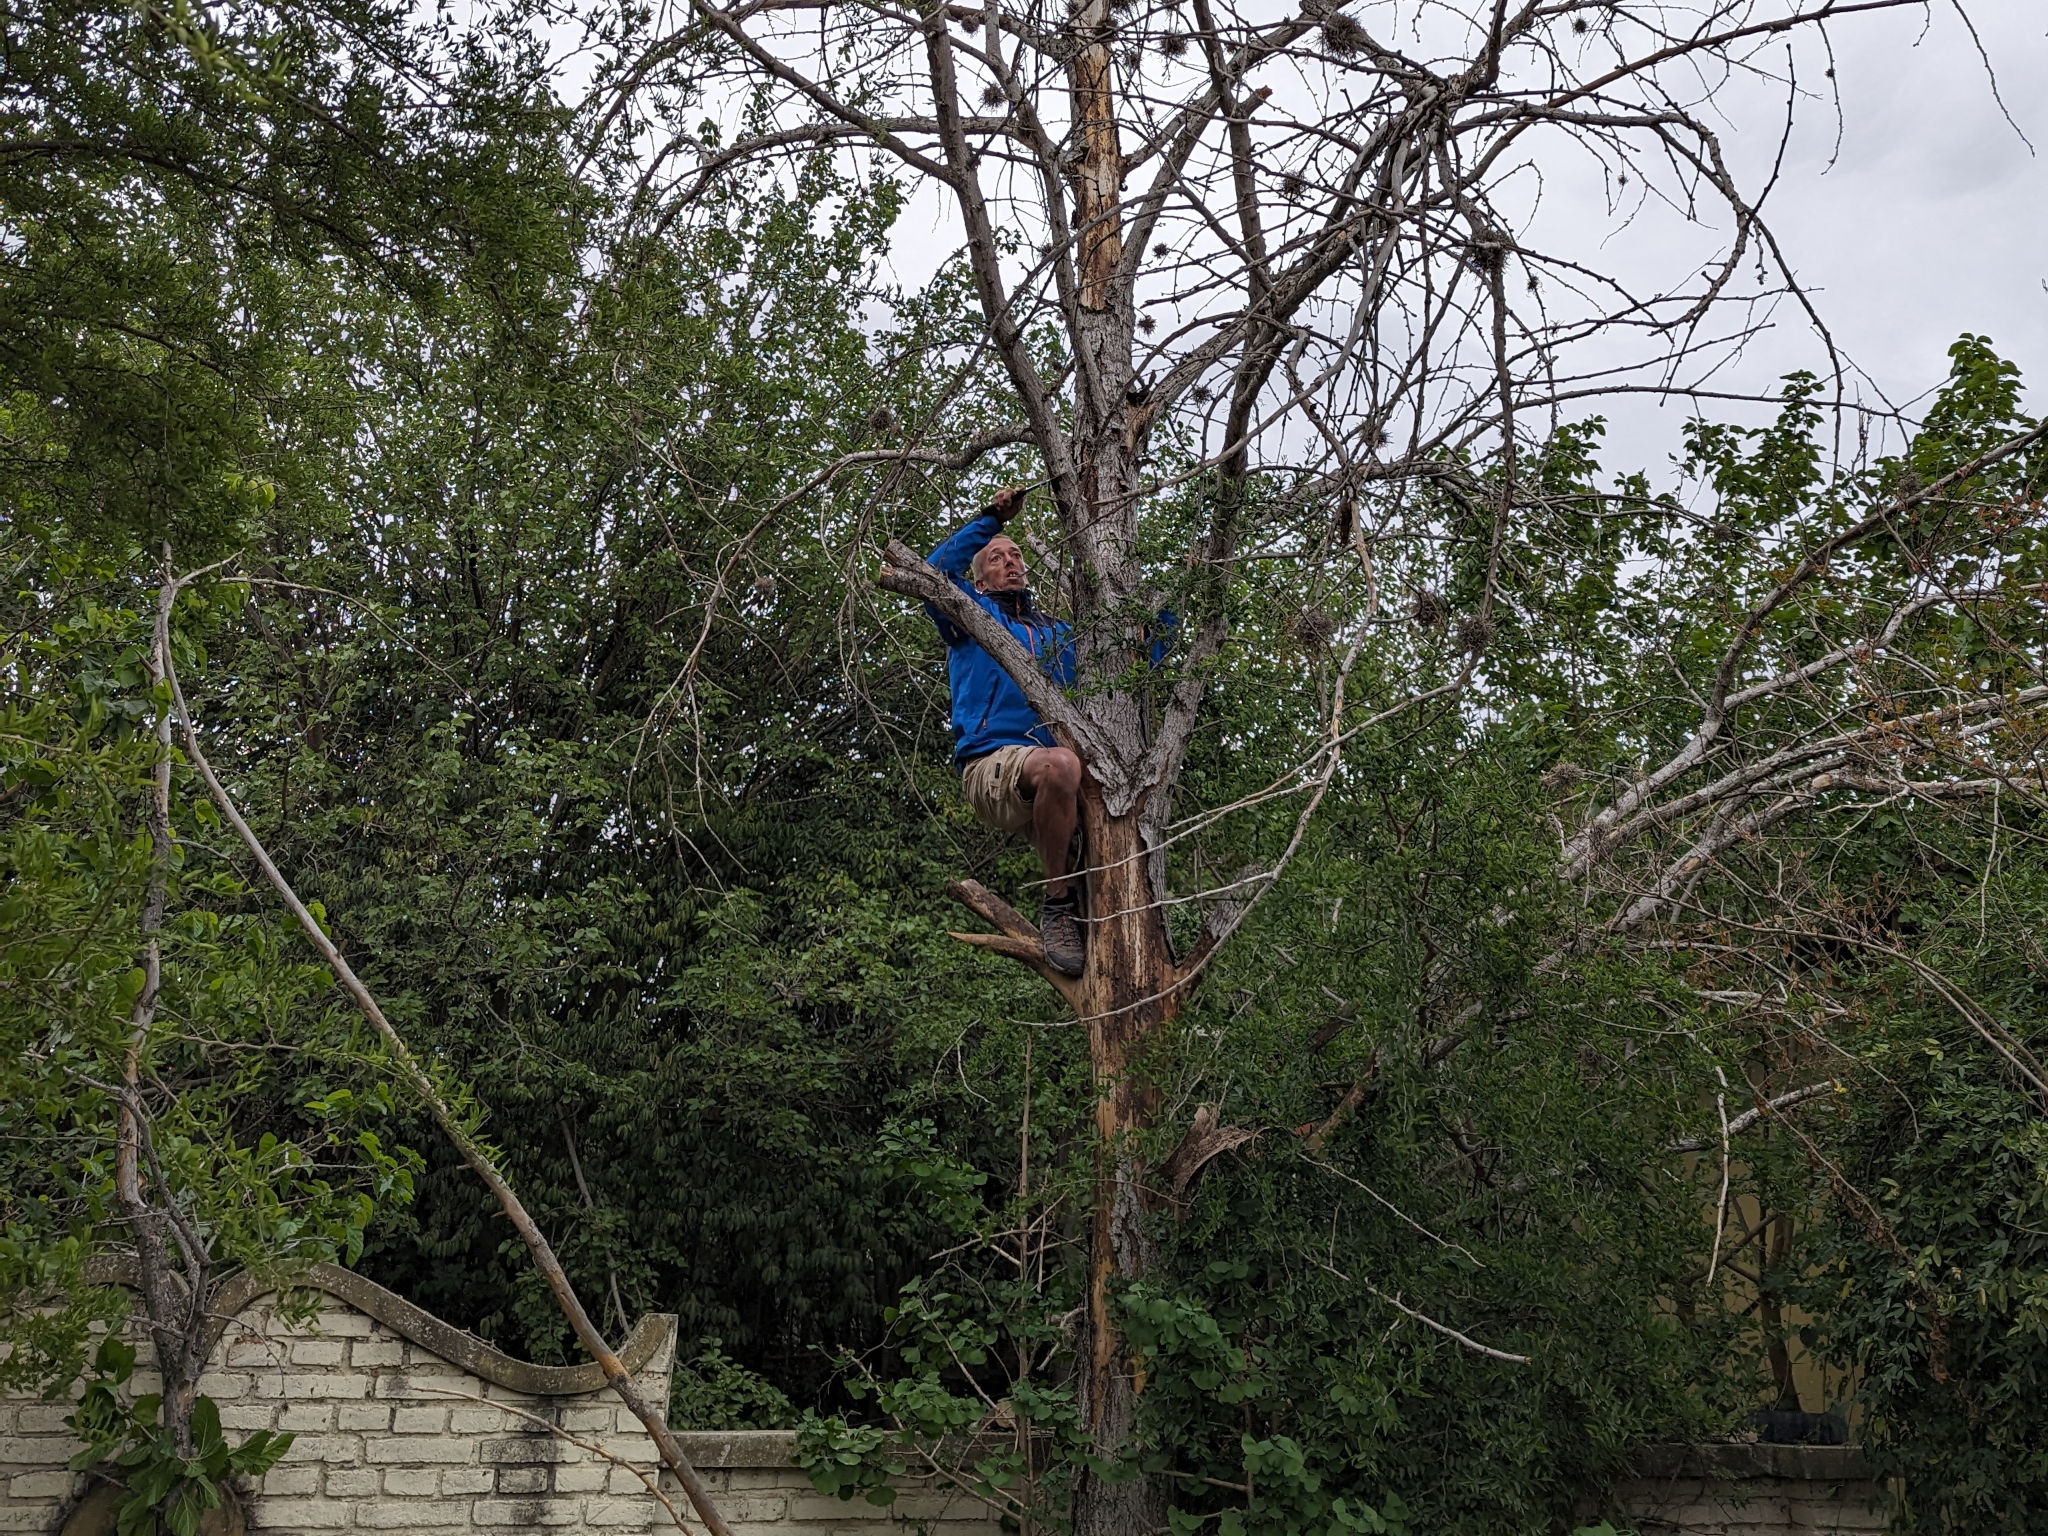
(594, 1447)
(875, 128)
(1752, 1116)
(984, 259)
(1428, 1322)
(170, 1323)
(480, 1161)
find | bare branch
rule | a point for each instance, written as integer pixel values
(1777, 1106)
(1466, 1340)
(1207, 1138)
(1019, 939)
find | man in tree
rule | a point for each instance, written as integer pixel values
(1013, 774)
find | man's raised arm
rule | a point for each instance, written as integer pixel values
(956, 554)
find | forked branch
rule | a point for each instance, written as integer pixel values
(1019, 939)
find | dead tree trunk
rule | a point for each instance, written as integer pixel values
(1130, 988)
(1304, 213)
(175, 1306)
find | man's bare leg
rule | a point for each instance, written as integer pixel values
(1051, 781)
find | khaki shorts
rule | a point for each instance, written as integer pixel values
(990, 784)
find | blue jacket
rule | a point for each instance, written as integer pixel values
(989, 710)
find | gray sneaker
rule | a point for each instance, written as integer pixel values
(1059, 929)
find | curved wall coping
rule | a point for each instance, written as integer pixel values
(455, 1345)
(1750, 1460)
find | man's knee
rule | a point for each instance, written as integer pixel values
(1055, 771)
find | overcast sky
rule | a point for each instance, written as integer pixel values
(1917, 215)
(1932, 218)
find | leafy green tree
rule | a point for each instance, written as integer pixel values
(181, 1101)
(645, 882)
(193, 200)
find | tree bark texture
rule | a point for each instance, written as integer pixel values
(1128, 991)
(174, 1307)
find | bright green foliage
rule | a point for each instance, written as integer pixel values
(168, 1490)
(714, 1391)
(268, 1109)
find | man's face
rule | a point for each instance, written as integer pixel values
(1002, 566)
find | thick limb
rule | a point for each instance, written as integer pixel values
(1051, 781)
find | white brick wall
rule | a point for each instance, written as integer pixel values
(395, 1436)
(779, 1501)
(391, 1436)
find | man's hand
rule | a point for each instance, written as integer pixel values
(1007, 502)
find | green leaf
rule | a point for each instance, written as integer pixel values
(115, 1358)
(206, 1435)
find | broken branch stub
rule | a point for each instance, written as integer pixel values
(1019, 939)
(1206, 1140)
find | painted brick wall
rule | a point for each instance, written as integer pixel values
(758, 1488)
(392, 1434)
(405, 1424)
